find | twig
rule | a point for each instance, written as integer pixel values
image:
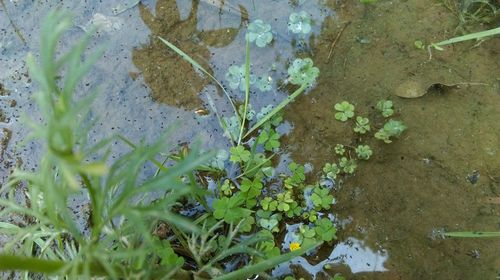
(335, 41)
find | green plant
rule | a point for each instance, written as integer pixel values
(325, 229)
(391, 128)
(236, 77)
(348, 165)
(302, 71)
(345, 111)
(321, 198)
(331, 170)
(339, 149)
(259, 32)
(120, 243)
(472, 36)
(364, 152)
(127, 207)
(299, 23)
(264, 83)
(362, 125)
(385, 107)
(239, 154)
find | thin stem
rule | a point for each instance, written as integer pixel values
(247, 90)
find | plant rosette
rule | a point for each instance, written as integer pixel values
(260, 32)
(345, 111)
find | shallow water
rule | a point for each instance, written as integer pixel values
(397, 202)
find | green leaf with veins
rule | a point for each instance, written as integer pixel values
(362, 125)
(345, 110)
(321, 198)
(229, 210)
(325, 229)
(239, 154)
(270, 139)
(348, 165)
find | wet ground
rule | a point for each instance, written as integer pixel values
(397, 203)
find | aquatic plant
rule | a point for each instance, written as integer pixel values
(236, 77)
(362, 125)
(302, 72)
(345, 111)
(299, 23)
(392, 128)
(385, 107)
(125, 235)
(264, 83)
(364, 152)
(325, 229)
(331, 170)
(348, 165)
(260, 32)
(339, 149)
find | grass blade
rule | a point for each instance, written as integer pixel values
(247, 89)
(474, 234)
(472, 36)
(186, 57)
(282, 105)
(248, 271)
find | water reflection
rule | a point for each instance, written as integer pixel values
(352, 252)
(171, 79)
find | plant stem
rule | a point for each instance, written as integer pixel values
(247, 90)
(282, 105)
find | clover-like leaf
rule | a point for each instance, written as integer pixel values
(331, 170)
(321, 198)
(236, 77)
(299, 23)
(339, 149)
(391, 128)
(345, 111)
(239, 154)
(260, 32)
(385, 107)
(219, 159)
(362, 125)
(325, 229)
(264, 83)
(348, 165)
(229, 210)
(303, 71)
(364, 152)
(270, 139)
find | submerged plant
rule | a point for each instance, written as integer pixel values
(348, 165)
(303, 72)
(345, 111)
(331, 170)
(385, 107)
(362, 125)
(391, 128)
(339, 149)
(236, 77)
(264, 83)
(260, 32)
(364, 152)
(299, 23)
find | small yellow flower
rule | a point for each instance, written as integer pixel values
(294, 246)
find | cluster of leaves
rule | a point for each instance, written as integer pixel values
(132, 230)
(345, 111)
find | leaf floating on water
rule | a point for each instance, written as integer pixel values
(411, 89)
